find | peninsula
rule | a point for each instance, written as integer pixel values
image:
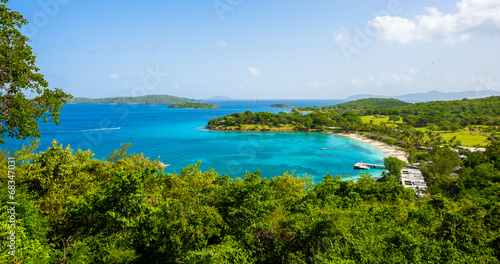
(146, 99)
(194, 106)
(410, 126)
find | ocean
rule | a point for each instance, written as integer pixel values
(178, 137)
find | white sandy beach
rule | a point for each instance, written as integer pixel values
(391, 151)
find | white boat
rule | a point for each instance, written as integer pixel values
(163, 165)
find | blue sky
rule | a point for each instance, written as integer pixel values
(257, 49)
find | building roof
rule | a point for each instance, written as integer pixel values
(413, 178)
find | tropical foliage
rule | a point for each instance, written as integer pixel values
(281, 105)
(444, 114)
(76, 209)
(25, 97)
(357, 105)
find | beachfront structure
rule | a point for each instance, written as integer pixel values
(472, 149)
(366, 166)
(413, 178)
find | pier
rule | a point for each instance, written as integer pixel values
(366, 166)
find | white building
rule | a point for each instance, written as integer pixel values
(413, 178)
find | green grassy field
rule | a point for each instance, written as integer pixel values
(464, 135)
(379, 120)
(260, 127)
(466, 138)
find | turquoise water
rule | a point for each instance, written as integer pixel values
(178, 137)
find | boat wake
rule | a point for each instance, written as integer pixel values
(87, 130)
(99, 129)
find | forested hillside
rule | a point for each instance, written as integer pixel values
(193, 105)
(357, 105)
(146, 99)
(461, 113)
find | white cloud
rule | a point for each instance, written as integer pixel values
(113, 76)
(253, 72)
(356, 82)
(321, 85)
(381, 80)
(342, 37)
(221, 43)
(264, 86)
(451, 77)
(412, 71)
(485, 83)
(473, 16)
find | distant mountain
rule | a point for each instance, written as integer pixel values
(146, 99)
(219, 98)
(431, 96)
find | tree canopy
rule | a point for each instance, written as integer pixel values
(126, 209)
(24, 94)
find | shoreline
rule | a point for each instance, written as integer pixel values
(391, 151)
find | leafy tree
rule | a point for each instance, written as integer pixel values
(474, 159)
(24, 94)
(394, 118)
(394, 165)
(493, 153)
(443, 160)
(126, 210)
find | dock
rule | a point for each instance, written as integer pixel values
(366, 166)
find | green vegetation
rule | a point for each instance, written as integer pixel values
(281, 105)
(75, 209)
(448, 115)
(467, 122)
(276, 122)
(467, 139)
(71, 208)
(357, 105)
(146, 99)
(394, 165)
(380, 119)
(25, 97)
(193, 105)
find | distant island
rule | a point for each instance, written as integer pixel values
(219, 98)
(193, 106)
(281, 105)
(146, 99)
